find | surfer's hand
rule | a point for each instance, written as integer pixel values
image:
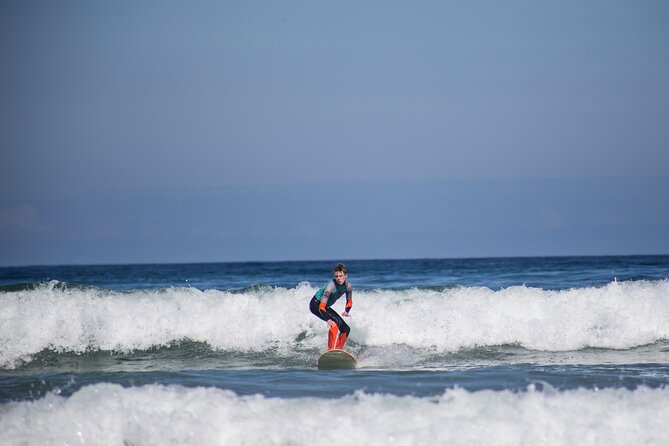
(345, 314)
(331, 323)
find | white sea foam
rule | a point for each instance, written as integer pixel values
(616, 316)
(110, 414)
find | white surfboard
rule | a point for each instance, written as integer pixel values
(337, 359)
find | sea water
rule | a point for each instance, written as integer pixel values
(569, 350)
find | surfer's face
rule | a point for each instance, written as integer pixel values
(340, 277)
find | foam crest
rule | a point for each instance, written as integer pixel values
(111, 414)
(616, 316)
(79, 320)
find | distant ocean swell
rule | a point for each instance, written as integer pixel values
(154, 414)
(60, 318)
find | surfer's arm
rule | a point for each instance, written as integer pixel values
(324, 311)
(349, 301)
(322, 307)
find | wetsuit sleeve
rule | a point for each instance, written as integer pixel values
(325, 297)
(349, 298)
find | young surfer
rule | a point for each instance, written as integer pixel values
(323, 300)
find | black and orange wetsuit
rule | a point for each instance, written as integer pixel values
(321, 303)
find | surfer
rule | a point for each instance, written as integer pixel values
(323, 300)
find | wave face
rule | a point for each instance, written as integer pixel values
(154, 414)
(59, 318)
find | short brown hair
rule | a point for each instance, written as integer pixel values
(340, 267)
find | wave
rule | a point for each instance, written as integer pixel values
(155, 414)
(13, 287)
(60, 318)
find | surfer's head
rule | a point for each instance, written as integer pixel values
(340, 273)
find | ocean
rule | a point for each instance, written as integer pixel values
(508, 351)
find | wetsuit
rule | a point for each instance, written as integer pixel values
(326, 296)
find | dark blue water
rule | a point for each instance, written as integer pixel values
(553, 273)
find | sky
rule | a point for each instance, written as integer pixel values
(215, 131)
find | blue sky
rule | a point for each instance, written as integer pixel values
(164, 131)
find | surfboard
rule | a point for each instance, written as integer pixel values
(337, 359)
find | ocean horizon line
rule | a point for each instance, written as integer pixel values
(342, 260)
